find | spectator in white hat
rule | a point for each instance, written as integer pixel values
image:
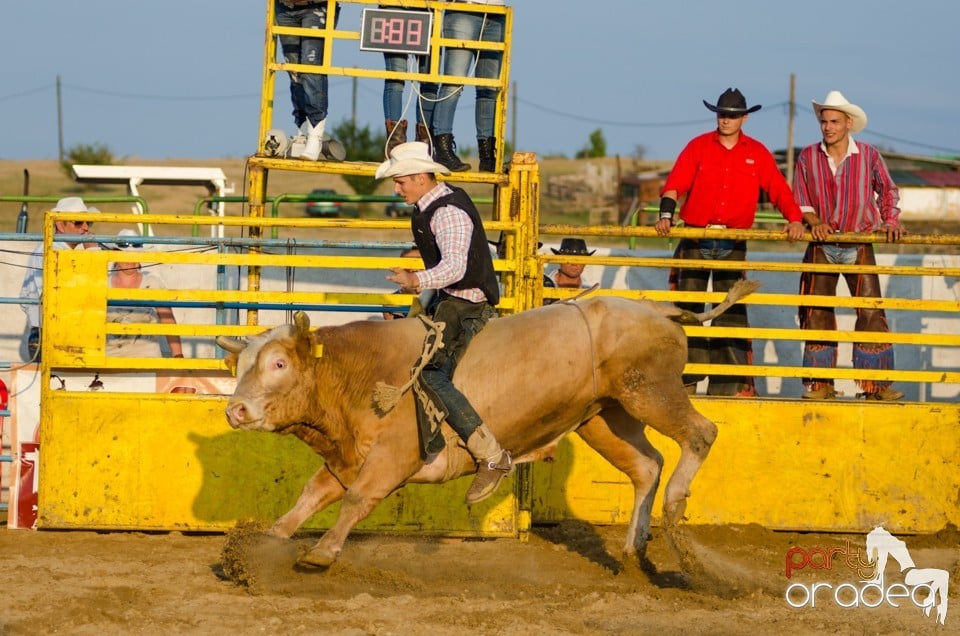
(843, 185)
(32, 286)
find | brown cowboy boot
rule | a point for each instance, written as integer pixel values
(396, 134)
(423, 134)
(493, 464)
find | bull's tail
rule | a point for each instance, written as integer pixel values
(740, 289)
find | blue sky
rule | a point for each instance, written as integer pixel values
(178, 79)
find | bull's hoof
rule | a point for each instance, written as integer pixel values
(673, 512)
(278, 533)
(317, 558)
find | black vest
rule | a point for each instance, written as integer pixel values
(480, 272)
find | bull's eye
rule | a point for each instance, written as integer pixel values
(280, 364)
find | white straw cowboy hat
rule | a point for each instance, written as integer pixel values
(836, 101)
(121, 243)
(72, 204)
(409, 158)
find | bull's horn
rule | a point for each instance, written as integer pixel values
(230, 344)
(302, 321)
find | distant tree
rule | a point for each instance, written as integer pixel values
(639, 152)
(597, 146)
(87, 155)
(361, 145)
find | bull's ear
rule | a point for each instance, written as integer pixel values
(231, 344)
(302, 321)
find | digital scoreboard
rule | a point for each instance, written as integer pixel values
(396, 31)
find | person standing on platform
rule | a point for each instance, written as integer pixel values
(308, 91)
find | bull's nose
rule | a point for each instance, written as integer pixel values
(236, 414)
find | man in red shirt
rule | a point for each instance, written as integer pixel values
(721, 174)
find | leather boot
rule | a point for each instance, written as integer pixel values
(487, 148)
(444, 152)
(311, 151)
(396, 134)
(493, 464)
(423, 134)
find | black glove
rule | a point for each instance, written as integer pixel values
(33, 344)
(667, 208)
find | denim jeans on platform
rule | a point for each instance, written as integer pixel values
(308, 91)
(393, 104)
(841, 254)
(716, 249)
(469, 26)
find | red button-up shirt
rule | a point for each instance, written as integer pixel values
(723, 185)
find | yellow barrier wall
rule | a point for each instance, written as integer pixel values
(164, 462)
(135, 461)
(787, 464)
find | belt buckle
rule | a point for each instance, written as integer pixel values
(715, 226)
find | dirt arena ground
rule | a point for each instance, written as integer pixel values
(567, 579)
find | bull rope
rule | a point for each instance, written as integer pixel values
(386, 396)
(593, 352)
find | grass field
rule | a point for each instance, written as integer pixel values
(47, 179)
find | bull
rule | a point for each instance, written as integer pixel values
(604, 368)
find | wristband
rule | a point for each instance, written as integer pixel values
(667, 207)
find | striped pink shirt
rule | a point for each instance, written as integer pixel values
(859, 195)
(453, 229)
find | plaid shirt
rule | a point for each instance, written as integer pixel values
(858, 195)
(453, 229)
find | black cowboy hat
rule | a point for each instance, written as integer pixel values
(732, 102)
(574, 246)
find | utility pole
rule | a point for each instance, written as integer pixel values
(59, 122)
(513, 117)
(790, 116)
(354, 104)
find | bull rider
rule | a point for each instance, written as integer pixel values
(448, 231)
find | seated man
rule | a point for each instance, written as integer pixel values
(567, 274)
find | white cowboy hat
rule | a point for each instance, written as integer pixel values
(72, 204)
(122, 243)
(409, 158)
(836, 101)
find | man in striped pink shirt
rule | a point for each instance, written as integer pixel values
(843, 185)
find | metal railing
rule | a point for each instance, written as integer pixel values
(929, 335)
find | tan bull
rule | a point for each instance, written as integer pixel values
(604, 368)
